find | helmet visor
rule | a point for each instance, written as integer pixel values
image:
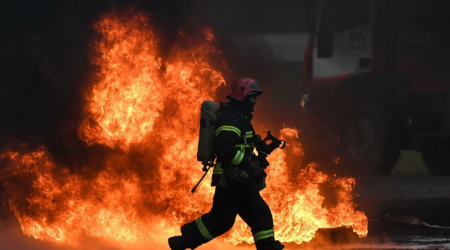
(255, 87)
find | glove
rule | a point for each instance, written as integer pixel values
(255, 170)
(262, 158)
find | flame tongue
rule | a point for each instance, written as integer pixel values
(128, 96)
(142, 195)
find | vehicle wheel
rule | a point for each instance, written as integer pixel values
(371, 140)
(372, 135)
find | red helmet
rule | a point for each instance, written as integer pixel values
(242, 86)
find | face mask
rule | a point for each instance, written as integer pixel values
(248, 104)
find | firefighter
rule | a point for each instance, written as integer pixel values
(238, 177)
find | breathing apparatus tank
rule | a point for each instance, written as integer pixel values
(208, 119)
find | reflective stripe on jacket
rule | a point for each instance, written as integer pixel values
(229, 141)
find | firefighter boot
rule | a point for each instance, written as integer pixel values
(178, 243)
(277, 245)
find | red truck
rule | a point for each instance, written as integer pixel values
(376, 77)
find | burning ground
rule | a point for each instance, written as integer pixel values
(139, 131)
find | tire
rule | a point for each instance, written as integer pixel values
(368, 145)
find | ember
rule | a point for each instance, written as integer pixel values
(149, 108)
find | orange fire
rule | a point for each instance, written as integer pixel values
(149, 108)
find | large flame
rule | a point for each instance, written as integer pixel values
(149, 108)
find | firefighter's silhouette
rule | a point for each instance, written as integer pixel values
(238, 177)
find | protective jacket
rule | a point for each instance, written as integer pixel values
(234, 145)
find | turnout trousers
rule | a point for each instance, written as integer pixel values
(227, 204)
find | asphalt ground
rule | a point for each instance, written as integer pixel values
(426, 197)
(391, 203)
